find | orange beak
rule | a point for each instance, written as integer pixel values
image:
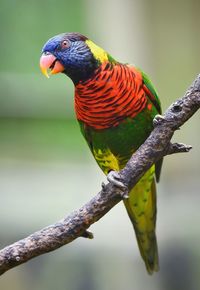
(49, 62)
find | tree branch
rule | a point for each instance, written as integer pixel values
(76, 224)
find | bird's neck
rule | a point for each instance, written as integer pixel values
(81, 73)
(85, 68)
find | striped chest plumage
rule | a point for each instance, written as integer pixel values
(114, 93)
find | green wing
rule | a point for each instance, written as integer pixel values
(153, 96)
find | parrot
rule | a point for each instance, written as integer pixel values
(115, 104)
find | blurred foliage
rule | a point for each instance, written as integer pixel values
(26, 25)
(46, 169)
(41, 140)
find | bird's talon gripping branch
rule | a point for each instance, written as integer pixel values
(158, 119)
(114, 178)
(103, 186)
(125, 194)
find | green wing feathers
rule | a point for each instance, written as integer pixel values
(153, 96)
(141, 208)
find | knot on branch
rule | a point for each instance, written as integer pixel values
(177, 107)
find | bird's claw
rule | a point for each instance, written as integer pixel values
(158, 119)
(114, 178)
(103, 186)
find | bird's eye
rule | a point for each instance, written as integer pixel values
(65, 44)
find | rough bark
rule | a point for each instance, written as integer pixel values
(76, 224)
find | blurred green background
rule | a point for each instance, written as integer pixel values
(46, 169)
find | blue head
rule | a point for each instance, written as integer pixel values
(72, 54)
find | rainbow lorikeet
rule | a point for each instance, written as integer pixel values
(115, 105)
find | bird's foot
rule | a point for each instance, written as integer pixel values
(114, 178)
(103, 186)
(158, 119)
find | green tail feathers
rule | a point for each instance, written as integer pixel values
(141, 208)
(149, 252)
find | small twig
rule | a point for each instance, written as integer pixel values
(178, 148)
(76, 224)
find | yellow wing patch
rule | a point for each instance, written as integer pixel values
(106, 160)
(97, 51)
